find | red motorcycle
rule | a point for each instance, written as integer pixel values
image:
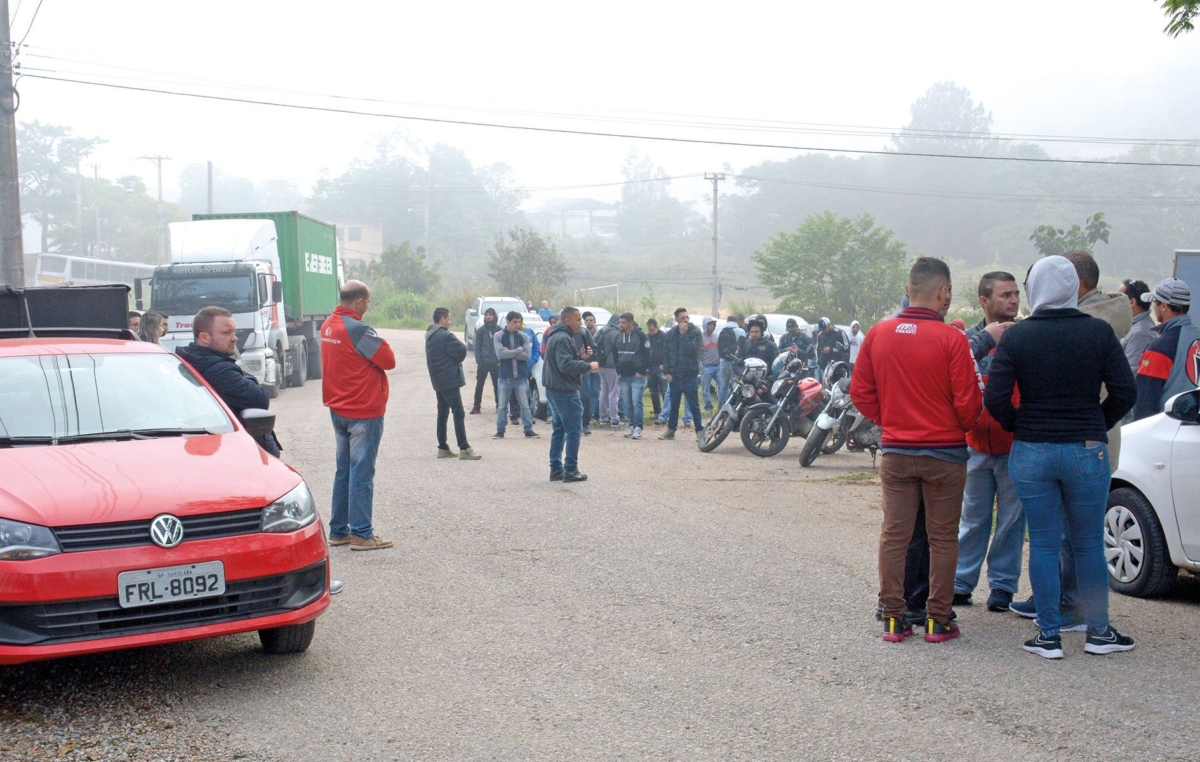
(767, 426)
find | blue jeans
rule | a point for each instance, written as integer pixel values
(724, 374)
(568, 429)
(507, 386)
(709, 374)
(1068, 482)
(354, 483)
(592, 403)
(684, 389)
(632, 389)
(987, 480)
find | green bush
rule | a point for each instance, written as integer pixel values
(404, 305)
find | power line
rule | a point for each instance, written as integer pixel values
(592, 133)
(29, 28)
(708, 122)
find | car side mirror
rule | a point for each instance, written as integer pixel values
(258, 422)
(1185, 407)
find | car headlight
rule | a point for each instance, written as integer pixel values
(21, 542)
(293, 511)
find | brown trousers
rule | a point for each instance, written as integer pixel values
(906, 479)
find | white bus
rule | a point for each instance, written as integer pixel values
(60, 269)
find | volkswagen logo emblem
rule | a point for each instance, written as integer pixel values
(166, 531)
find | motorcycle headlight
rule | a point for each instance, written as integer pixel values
(775, 387)
(21, 542)
(748, 392)
(293, 511)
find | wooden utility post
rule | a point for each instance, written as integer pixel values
(12, 249)
(716, 177)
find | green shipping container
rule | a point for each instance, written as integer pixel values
(307, 258)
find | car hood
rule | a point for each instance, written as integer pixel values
(104, 482)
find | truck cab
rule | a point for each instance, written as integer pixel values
(232, 264)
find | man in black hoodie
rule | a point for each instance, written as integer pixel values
(486, 361)
(684, 345)
(212, 353)
(444, 355)
(631, 351)
(563, 368)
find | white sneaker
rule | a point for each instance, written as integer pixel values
(637, 433)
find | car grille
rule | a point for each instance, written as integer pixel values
(94, 618)
(128, 534)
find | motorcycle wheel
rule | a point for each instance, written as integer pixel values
(834, 443)
(715, 432)
(812, 446)
(758, 440)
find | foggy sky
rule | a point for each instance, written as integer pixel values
(1081, 67)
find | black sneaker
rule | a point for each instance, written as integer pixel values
(1026, 608)
(587, 432)
(498, 435)
(531, 434)
(1108, 642)
(556, 476)
(1049, 648)
(918, 616)
(999, 600)
(962, 599)
(935, 632)
(896, 630)
(574, 476)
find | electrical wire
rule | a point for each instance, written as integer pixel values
(16, 12)
(30, 27)
(707, 122)
(592, 133)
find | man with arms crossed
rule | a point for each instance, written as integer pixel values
(916, 378)
(562, 375)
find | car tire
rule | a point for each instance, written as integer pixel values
(1135, 548)
(292, 639)
(536, 406)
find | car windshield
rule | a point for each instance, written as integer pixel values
(503, 307)
(102, 396)
(188, 294)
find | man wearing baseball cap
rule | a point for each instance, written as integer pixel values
(1167, 367)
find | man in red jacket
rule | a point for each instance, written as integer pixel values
(916, 378)
(354, 384)
(988, 484)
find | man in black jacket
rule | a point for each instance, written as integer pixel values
(631, 350)
(563, 369)
(486, 362)
(656, 380)
(684, 344)
(758, 345)
(444, 355)
(212, 353)
(832, 343)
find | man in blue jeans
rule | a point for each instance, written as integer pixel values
(562, 375)
(631, 350)
(513, 348)
(989, 489)
(354, 386)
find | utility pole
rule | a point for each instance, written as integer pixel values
(210, 188)
(162, 230)
(12, 251)
(716, 177)
(96, 203)
(78, 211)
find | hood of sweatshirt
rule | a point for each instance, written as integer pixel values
(1053, 284)
(1111, 308)
(433, 329)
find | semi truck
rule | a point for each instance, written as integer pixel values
(277, 272)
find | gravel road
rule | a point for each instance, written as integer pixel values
(676, 606)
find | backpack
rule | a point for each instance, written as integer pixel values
(727, 343)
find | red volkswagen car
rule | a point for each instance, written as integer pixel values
(135, 508)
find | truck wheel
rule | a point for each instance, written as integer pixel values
(300, 367)
(292, 639)
(314, 360)
(274, 389)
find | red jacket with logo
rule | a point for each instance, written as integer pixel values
(916, 378)
(353, 363)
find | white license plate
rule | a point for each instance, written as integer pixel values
(150, 587)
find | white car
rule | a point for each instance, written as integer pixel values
(1152, 526)
(501, 304)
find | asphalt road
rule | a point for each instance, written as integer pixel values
(676, 606)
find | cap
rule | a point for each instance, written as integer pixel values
(791, 323)
(1170, 291)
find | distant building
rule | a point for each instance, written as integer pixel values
(360, 243)
(574, 218)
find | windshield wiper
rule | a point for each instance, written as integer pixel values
(100, 436)
(17, 441)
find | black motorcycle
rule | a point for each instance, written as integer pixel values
(796, 398)
(747, 382)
